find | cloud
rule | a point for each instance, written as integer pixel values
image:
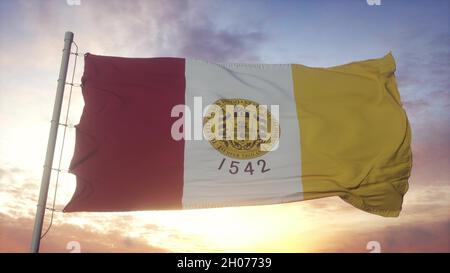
(15, 236)
(415, 237)
(18, 195)
(425, 88)
(144, 28)
(423, 70)
(221, 45)
(423, 73)
(423, 226)
(442, 96)
(416, 106)
(435, 99)
(430, 145)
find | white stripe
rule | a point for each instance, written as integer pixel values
(204, 184)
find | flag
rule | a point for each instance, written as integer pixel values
(151, 136)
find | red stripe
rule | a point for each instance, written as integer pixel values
(125, 158)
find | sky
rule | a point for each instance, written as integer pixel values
(313, 33)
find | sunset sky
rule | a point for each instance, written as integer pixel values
(314, 33)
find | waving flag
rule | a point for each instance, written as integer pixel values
(338, 131)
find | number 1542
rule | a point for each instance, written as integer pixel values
(250, 167)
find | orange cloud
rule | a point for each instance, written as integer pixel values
(15, 236)
(415, 237)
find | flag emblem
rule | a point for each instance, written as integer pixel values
(246, 129)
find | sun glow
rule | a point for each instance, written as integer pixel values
(273, 228)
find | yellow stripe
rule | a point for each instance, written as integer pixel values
(355, 135)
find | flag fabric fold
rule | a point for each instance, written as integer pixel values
(339, 131)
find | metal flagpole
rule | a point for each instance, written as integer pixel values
(45, 182)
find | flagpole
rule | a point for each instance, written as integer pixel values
(46, 174)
